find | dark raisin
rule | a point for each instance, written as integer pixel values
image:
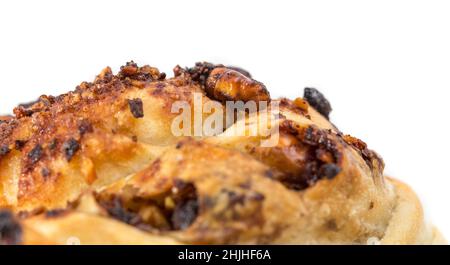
(318, 101)
(45, 172)
(53, 144)
(36, 154)
(234, 198)
(70, 147)
(54, 213)
(116, 209)
(84, 127)
(162, 76)
(10, 229)
(329, 170)
(257, 196)
(179, 145)
(19, 144)
(184, 214)
(136, 107)
(4, 150)
(331, 225)
(269, 174)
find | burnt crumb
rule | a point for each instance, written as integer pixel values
(54, 213)
(246, 185)
(298, 105)
(318, 101)
(237, 198)
(70, 147)
(234, 198)
(84, 126)
(184, 214)
(134, 138)
(129, 69)
(257, 196)
(269, 174)
(45, 172)
(21, 112)
(308, 177)
(178, 71)
(331, 225)
(145, 73)
(36, 154)
(158, 91)
(329, 171)
(201, 71)
(4, 150)
(183, 190)
(179, 145)
(162, 76)
(10, 229)
(19, 144)
(136, 107)
(371, 205)
(52, 145)
(368, 155)
(160, 85)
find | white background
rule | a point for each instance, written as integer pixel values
(384, 65)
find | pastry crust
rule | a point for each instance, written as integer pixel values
(101, 165)
(408, 225)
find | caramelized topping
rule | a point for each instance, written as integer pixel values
(145, 73)
(224, 83)
(301, 104)
(176, 209)
(227, 84)
(302, 157)
(368, 155)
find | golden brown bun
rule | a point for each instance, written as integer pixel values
(100, 165)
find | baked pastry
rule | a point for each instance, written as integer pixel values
(101, 165)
